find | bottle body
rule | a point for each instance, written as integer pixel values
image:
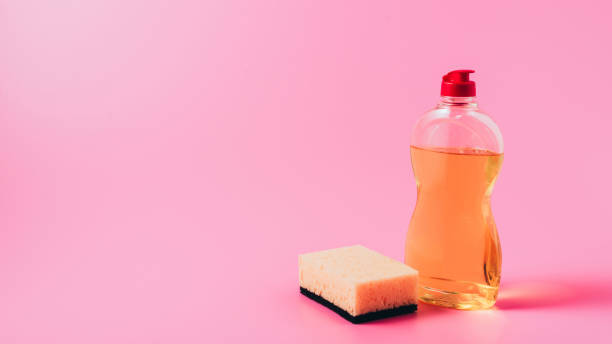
(452, 240)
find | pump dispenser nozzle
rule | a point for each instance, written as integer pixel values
(457, 83)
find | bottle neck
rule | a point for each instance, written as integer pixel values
(469, 102)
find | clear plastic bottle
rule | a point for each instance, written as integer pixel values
(456, 152)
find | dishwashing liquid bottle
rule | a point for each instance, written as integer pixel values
(456, 152)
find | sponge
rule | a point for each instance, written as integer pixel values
(358, 283)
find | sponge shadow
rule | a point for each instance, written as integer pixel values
(424, 311)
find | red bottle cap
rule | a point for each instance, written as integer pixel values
(458, 84)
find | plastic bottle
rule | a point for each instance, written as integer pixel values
(456, 152)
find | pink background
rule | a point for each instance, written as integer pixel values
(163, 163)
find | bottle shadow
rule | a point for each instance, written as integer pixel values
(529, 294)
(550, 293)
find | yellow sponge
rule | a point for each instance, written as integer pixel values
(358, 283)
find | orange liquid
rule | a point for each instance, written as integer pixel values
(452, 240)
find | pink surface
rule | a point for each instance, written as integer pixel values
(163, 163)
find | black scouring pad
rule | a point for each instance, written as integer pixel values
(362, 317)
